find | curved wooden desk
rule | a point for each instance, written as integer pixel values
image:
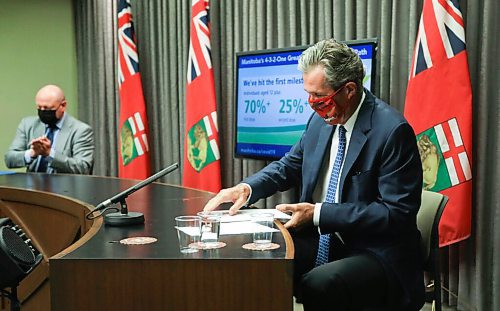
(53, 223)
(99, 273)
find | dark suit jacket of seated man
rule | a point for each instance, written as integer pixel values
(72, 149)
(379, 189)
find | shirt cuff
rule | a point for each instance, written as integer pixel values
(317, 212)
(250, 195)
(27, 157)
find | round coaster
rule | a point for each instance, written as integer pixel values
(200, 245)
(253, 247)
(139, 240)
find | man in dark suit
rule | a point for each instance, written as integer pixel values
(360, 178)
(53, 142)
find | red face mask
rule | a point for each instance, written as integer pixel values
(324, 105)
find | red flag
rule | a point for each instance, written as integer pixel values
(201, 156)
(439, 107)
(133, 154)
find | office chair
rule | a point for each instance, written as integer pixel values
(428, 217)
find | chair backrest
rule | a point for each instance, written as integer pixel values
(428, 217)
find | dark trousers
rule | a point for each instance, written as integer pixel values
(352, 281)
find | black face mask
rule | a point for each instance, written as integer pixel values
(48, 117)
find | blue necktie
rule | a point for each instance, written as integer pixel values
(42, 167)
(324, 239)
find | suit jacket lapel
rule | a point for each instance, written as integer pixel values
(39, 129)
(358, 138)
(324, 141)
(63, 135)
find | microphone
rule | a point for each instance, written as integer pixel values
(124, 217)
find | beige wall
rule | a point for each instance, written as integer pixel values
(37, 47)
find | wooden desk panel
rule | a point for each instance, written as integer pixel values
(191, 284)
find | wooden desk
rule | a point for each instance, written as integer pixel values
(99, 273)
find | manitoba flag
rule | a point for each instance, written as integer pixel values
(133, 129)
(201, 156)
(439, 107)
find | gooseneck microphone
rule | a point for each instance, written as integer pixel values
(124, 217)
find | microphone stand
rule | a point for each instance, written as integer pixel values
(124, 217)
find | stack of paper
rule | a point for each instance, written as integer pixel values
(241, 222)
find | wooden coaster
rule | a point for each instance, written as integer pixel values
(200, 245)
(139, 240)
(253, 247)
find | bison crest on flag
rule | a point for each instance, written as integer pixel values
(202, 147)
(444, 159)
(133, 139)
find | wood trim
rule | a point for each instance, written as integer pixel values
(290, 249)
(87, 236)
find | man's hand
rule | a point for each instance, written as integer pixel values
(41, 146)
(237, 194)
(302, 214)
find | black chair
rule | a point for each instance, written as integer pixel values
(428, 217)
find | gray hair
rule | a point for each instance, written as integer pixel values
(341, 63)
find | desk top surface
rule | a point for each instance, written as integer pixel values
(160, 204)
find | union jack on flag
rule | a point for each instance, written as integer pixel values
(128, 63)
(439, 108)
(200, 22)
(450, 31)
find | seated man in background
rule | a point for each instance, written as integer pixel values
(359, 172)
(53, 142)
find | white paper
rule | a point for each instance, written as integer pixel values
(244, 215)
(243, 227)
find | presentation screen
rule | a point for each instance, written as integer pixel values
(271, 104)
